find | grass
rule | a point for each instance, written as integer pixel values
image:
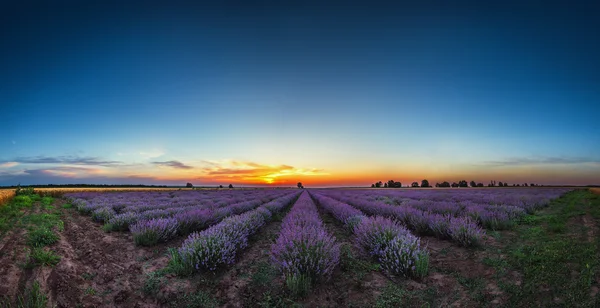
(152, 284)
(195, 300)
(264, 274)
(353, 266)
(41, 237)
(395, 296)
(33, 297)
(89, 291)
(10, 212)
(44, 257)
(552, 253)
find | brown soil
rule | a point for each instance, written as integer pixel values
(96, 269)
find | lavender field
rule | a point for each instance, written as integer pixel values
(327, 248)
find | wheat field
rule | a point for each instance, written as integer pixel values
(7, 194)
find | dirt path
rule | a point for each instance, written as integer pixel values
(13, 253)
(97, 268)
(235, 288)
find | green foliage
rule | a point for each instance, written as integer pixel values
(41, 237)
(67, 206)
(421, 266)
(176, 264)
(392, 296)
(22, 201)
(152, 284)
(107, 227)
(43, 220)
(34, 298)
(195, 300)
(264, 275)
(44, 257)
(89, 291)
(269, 300)
(24, 191)
(298, 285)
(550, 251)
(47, 200)
(88, 276)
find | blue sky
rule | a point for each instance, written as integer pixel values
(342, 94)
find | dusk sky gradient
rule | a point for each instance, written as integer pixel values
(275, 93)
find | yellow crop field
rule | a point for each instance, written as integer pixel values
(595, 190)
(5, 195)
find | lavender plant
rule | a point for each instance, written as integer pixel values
(374, 234)
(103, 214)
(153, 231)
(405, 256)
(465, 231)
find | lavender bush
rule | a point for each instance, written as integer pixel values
(374, 234)
(439, 225)
(103, 214)
(194, 220)
(405, 256)
(465, 231)
(121, 222)
(150, 232)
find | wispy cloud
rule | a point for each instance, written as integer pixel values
(521, 161)
(152, 154)
(173, 164)
(8, 164)
(67, 160)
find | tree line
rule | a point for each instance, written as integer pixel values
(463, 183)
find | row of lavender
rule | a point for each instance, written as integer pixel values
(427, 216)
(397, 250)
(304, 251)
(154, 217)
(419, 221)
(218, 245)
(529, 199)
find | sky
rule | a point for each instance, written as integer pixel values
(272, 93)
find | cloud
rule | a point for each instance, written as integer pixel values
(152, 154)
(69, 160)
(8, 164)
(173, 164)
(522, 161)
(66, 172)
(250, 172)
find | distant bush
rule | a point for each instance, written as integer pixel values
(27, 191)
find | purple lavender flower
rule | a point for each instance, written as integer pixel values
(153, 231)
(405, 256)
(465, 231)
(374, 234)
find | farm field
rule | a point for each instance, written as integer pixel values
(501, 247)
